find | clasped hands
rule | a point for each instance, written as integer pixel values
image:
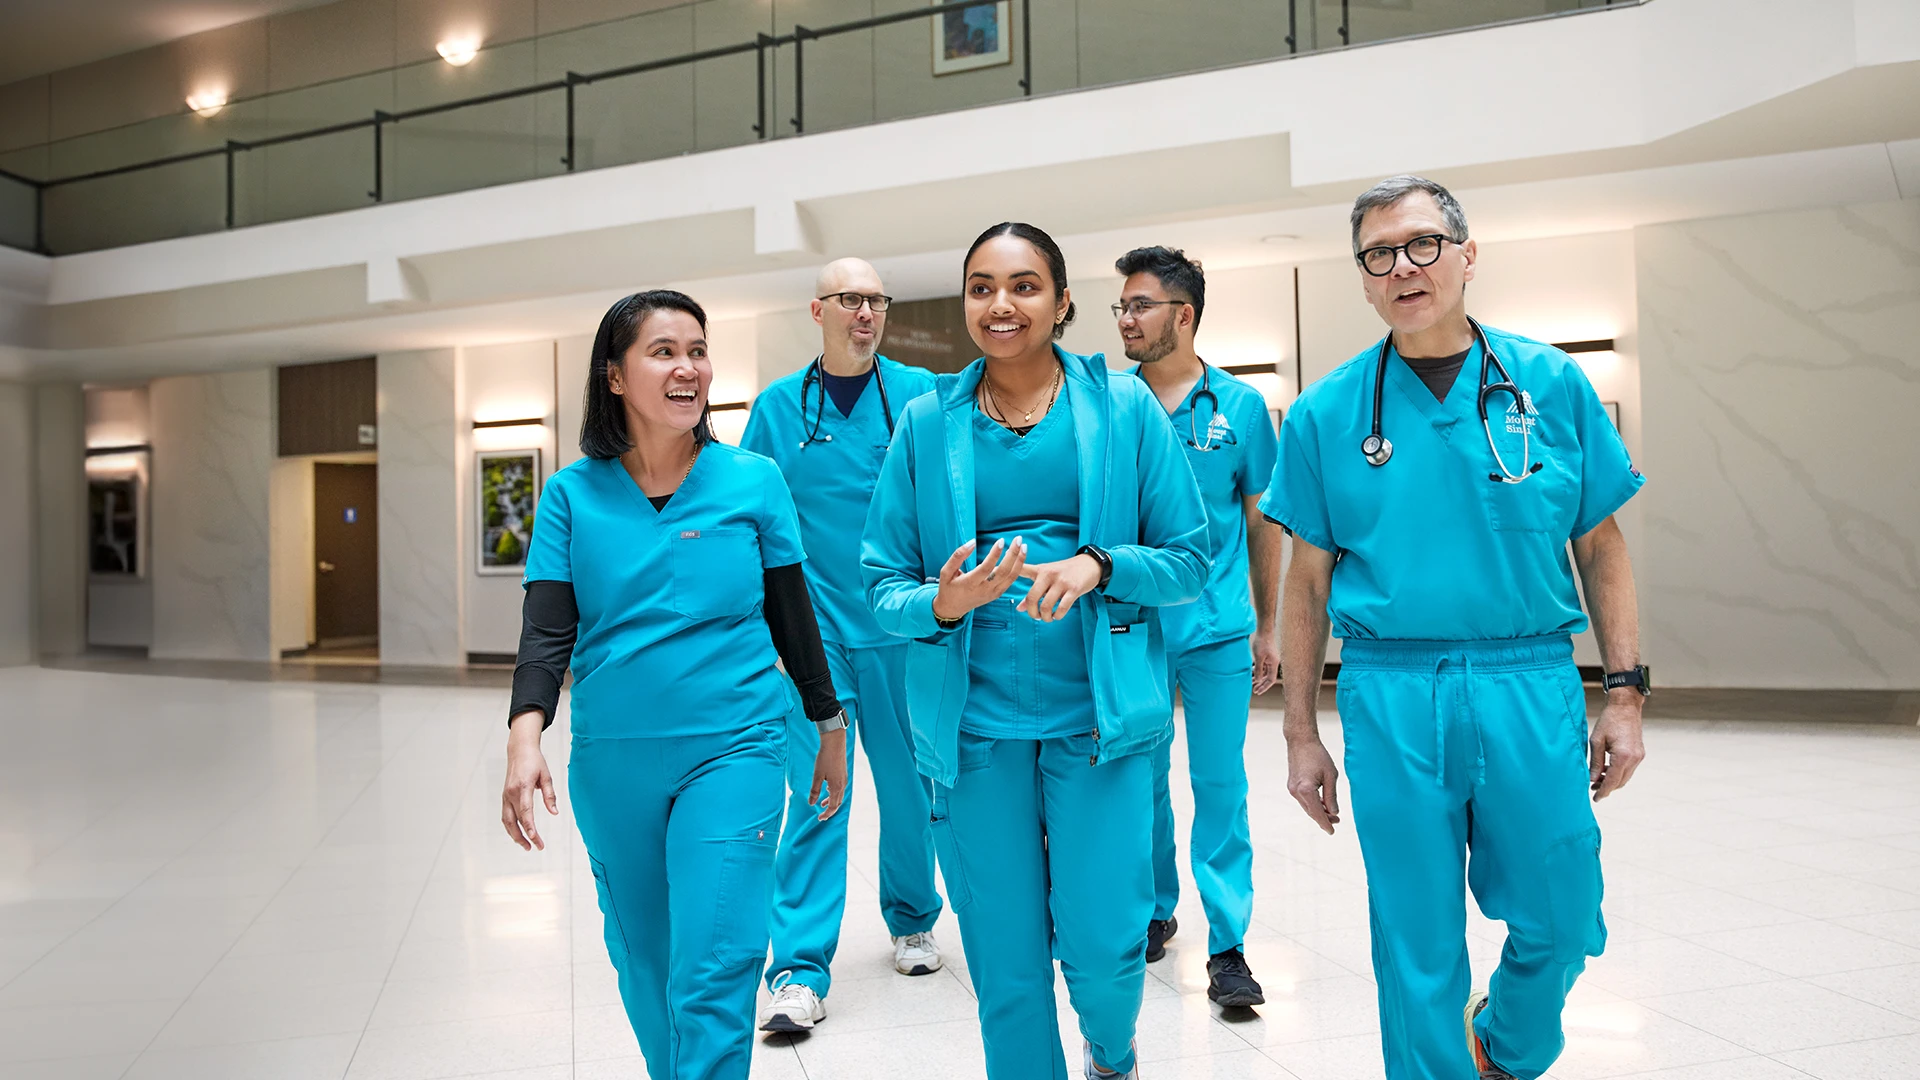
(1056, 585)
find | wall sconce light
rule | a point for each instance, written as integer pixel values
(1592, 356)
(207, 102)
(459, 51)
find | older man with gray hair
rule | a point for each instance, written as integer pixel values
(1433, 485)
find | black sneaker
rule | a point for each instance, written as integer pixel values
(1158, 931)
(1230, 981)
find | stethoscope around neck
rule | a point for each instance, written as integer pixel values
(1193, 412)
(1378, 449)
(816, 376)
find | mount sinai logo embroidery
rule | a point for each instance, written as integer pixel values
(1521, 415)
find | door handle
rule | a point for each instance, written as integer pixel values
(326, 567)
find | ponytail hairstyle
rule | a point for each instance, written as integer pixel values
(603, 422)
(1050, 251)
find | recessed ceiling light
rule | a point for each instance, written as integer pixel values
(1279, 238)
(459, 51)
(207, 102)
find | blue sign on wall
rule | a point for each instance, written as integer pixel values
(353, 515)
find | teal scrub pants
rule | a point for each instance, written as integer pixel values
(1468, 769)
(1046, 856)
(810, 872)
(681, 833)
(1216, 686)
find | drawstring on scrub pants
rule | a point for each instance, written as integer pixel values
(1440, 725)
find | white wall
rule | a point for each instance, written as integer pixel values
(213, 447)
(17, 630)
(61, 508)
(1782, 382)
(119, 609)
(501, 382)
(420, 522)
(293, 559)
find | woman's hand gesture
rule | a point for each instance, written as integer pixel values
(1056, 585)
(526, 773)
(962, 591)
(830, 768)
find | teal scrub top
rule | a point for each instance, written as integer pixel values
(832, 479)
(1239, 464)
(1029, 678)
(672, 639)
(1428, 547)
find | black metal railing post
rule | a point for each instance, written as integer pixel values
(1026, 47)
(761, 43)
(800, 34)
(1346, 24)
(231, 147)
(573, 79)
(1293, 27)
(380, 121)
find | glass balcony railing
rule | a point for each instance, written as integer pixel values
(701, 76)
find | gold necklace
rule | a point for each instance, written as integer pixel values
(690, 462)
(1052, 392)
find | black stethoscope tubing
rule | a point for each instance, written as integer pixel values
(816, 375)
(1193, 411)
(1378, 450)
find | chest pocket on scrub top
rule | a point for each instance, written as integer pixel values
(1544, 502)
(716, 572)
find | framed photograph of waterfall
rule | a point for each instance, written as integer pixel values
(508, 485)
(974, 37)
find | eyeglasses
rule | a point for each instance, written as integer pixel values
(1421, 251)
(1137, 308)
(852, 300)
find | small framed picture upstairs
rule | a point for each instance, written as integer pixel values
(508, 483)
(972, 38)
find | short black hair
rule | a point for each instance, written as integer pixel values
(1050, 251)
(603, 421)
(1179, 275)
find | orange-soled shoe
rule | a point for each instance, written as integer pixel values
(1481, 1063)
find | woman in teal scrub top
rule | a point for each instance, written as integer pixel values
(1035, 710)
(665, 571)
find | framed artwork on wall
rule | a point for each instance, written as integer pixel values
(113, 527)
(509, 485)
(1613, 412)
(974, 37)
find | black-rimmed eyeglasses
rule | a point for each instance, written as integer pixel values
(1421, 251)
(852, 300)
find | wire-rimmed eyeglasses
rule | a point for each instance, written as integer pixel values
(1421, 251)
(1138, 307)
(852, 300)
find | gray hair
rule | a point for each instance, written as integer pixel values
(1394, 188)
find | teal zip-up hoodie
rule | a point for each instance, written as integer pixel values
(1138, 502)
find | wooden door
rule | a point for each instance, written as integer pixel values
(346, 548)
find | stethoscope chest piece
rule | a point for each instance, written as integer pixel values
(1377, 448)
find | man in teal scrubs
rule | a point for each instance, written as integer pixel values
(1433, 485)
(828, 427)
(1223, 646)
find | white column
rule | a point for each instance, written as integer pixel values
(213, 448)
(420, 539)
(16, 526)
(61, 501)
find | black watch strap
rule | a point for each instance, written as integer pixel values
(1636, 678)
(1105, 560)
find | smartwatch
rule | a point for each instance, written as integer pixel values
(836, 722)
(1105, 560)
(1638, 678)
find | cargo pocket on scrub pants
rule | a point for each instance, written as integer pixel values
(959, 896)
(1573, 892)
(743, 900)
(615, 934)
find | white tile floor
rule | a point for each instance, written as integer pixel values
(288, 880)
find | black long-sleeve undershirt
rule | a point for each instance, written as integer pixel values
(550, 621)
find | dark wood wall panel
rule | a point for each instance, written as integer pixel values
(323, 405)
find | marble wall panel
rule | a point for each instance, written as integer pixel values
(1781, 383)
(420, 539)
(211, 563)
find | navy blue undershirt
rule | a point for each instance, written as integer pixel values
(845, 389)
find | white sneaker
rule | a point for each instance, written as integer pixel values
(795, 1007)
(916, 954)
(1095, 1072)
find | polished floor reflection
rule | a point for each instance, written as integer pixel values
(284, 880)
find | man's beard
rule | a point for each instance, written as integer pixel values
(1158, 349)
